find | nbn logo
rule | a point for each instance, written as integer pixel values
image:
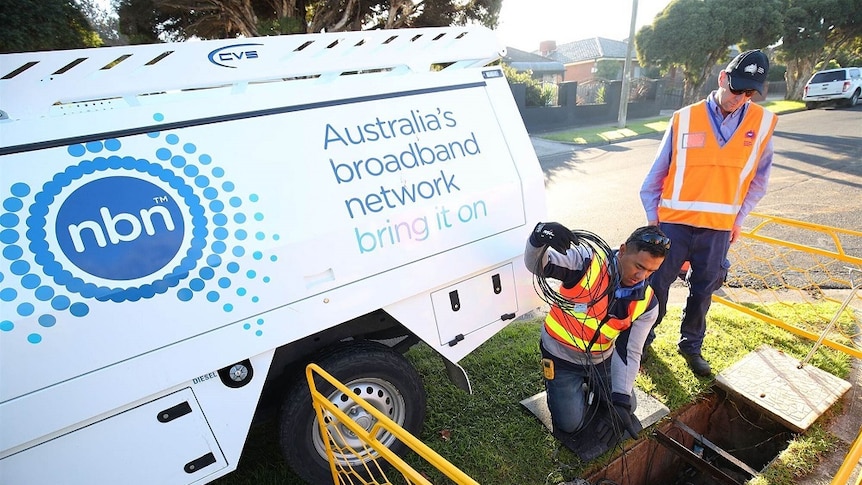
(109, 223)
(233, 53)
(120, 228)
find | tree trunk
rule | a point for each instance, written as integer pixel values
(798, 71)
(291, 9)
(334, 16)
(400, 12)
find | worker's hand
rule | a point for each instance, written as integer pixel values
(619, 421)
(553, 234)
(734, 234)
(652, 223)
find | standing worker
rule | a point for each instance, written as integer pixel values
(712, 168)
(594, 334)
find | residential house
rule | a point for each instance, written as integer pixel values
(543, 69)
(589, 59)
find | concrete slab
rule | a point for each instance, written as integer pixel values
(771, 380)
(649, 410)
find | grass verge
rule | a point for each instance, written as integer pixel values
(610, 133)
(492, 438)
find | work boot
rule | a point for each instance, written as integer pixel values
(698, 364)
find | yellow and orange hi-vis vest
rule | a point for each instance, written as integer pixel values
(707, 183)
(576, 328)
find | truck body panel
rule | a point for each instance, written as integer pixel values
(169, 210)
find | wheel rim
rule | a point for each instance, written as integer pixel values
(349, 449)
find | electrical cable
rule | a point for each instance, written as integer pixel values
(648, 472)
(596, 246)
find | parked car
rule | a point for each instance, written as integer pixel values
(841, 86)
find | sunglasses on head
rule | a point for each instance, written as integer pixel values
(655, 240)
(747, 92)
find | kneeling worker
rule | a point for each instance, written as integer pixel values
(593, 336)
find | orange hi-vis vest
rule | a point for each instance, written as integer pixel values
(707, 183)
(576, 327)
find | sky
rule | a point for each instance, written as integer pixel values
(525, 23)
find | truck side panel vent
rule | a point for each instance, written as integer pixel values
(159, 58)
(20, 70)
(70, 65)
(115, 62)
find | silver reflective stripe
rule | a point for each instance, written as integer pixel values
(700, 206)
(681, 152)
(765, 123)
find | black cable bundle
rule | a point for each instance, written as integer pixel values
(598, 247)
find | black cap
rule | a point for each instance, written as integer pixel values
(748, 71)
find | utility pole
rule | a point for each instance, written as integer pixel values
(627, 70)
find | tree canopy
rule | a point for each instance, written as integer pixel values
(691, 35)
(35, 25)
(156, 20)
(696, 34)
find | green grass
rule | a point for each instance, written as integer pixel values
(610, 133)
(492, 438)
(799, 458)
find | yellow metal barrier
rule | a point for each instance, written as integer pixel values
(842, 476)
(796, 265)
(799, 265)
(378, 458)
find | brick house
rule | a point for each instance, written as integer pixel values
(588, 59)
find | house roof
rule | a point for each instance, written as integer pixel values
(527, 61)
(588, 50)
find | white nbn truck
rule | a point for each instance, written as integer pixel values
(185, 226)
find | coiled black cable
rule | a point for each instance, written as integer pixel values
(598, 248)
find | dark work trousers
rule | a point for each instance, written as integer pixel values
(568, 400)
(706, 250)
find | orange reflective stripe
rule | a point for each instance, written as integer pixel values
(581, 327)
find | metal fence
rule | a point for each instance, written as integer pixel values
(357, 453)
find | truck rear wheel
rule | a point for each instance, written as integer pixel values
(376, 373)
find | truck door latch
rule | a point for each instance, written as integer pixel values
(454, 300)
(455, 340)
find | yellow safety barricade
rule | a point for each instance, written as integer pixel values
(799, 265)
(378, 461)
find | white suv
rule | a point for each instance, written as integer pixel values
(842, 86)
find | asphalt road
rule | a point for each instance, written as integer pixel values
(816, 177)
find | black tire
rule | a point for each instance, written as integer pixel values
(810, 105)
(854, 98)
(378, 374)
